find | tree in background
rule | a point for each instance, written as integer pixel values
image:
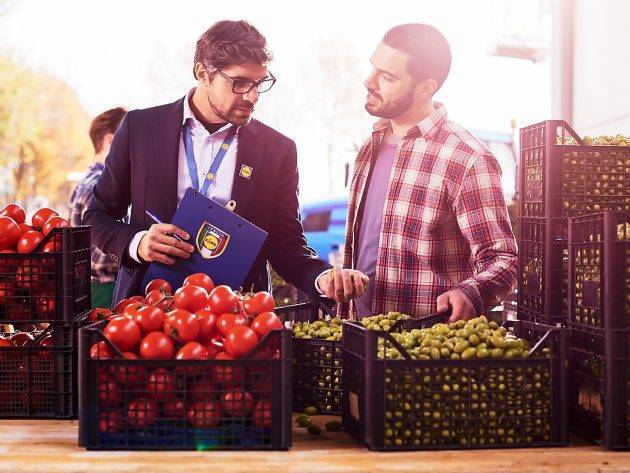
(43, 136)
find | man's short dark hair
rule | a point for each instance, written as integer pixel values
(106, 122)
(428, 50)
(231, 43)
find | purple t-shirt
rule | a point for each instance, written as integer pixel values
(370, 231)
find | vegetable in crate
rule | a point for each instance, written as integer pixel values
(476, 338)
(383, 321)
(320, 329)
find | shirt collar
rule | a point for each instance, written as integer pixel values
(426, 127)
(189, 115)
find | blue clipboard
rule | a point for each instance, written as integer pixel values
(226, 245)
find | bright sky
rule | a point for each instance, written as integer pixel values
(139, 54)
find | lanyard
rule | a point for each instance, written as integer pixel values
(216, 162)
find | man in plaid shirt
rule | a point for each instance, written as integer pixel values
(104, 268)
(427, 221)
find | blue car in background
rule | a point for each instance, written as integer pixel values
(324, 221)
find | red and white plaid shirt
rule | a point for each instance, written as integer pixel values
(445, 223)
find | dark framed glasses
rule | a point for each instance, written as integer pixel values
(243, 86)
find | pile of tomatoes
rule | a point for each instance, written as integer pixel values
(27, 374)
(197, 322)
(27, 284)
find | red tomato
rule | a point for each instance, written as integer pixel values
(237, 403)
(24, 228)
(132, 309)
(6, 292)
(159, 299)
(214, 347)
(223, 299)
(228, 320)
(15, 212)
(190, 298)
(43, 305)
(30, 273)
(108, 392)
(265, 323)
(123, 332)
(9, 233)
(110, 422)
(161, 385)
(129, 375)
(46, 342)
(240, 340)
(262, 414)
(29, 241)
(207, 325)
(98, 314)
(122, 304)
(257, 303)
(201, 390)
(4, 345)
(101, 350)
(200, 280)
(49, 247)
(227, 374)
(181, 325)
(40, 217)
(158, 285)
(142, 413)
(149, 319)
(54, 222)
(21, 339)
(192, 351)
(174, 409)
(157, 345)
(204, 414)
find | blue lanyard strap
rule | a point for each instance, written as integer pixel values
(216, 162)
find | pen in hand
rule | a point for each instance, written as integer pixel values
(157, 220)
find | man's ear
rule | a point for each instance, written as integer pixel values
(201, 74)
(426, 89)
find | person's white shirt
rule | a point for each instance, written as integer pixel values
(205, 147)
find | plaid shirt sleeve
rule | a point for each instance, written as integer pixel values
(483, 220)
(78, 203)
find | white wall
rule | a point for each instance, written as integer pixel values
(601, 67)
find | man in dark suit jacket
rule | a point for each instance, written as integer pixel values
(148, 168)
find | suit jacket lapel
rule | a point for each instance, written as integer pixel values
(166, 136)
(249, 154)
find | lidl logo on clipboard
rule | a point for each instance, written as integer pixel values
(211, 241)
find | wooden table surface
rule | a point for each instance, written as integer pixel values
(51, 446)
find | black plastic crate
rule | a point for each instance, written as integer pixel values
(600, 385)
(599, 270)
(456, 404)
(563, 180)
(543, 269)
(317, 373)
(47, 287)
(141, 404)
(39, 382)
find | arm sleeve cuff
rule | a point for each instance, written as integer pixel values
(133, 246)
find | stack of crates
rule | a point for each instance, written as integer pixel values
(42, 295)
(559, 181)
(599, 318)
(573, 263)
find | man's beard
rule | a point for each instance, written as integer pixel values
(233, 115)
(390, 109)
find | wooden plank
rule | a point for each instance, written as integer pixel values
(51, 446)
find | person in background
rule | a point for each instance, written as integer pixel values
(104, 268)
(427, 221)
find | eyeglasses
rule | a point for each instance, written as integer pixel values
(241, 86)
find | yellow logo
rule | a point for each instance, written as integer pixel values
(225, 146)
(246, 171)
(211, 241)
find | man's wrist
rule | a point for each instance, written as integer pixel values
(317, 279)
(134, 244)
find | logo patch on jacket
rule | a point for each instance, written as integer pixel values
(211, 241)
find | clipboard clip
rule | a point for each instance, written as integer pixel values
(231, 205)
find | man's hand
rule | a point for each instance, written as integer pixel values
(463, 309)
(159, 244)
(342, 284)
